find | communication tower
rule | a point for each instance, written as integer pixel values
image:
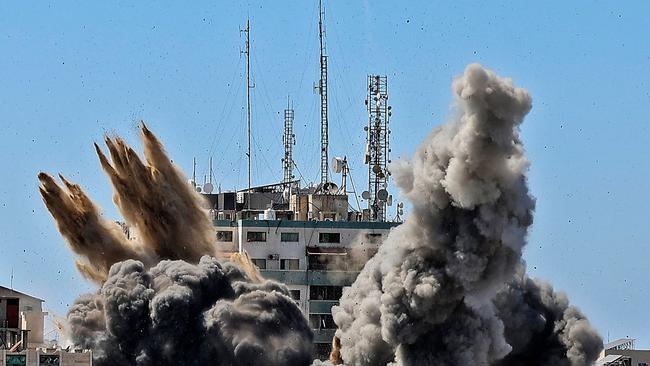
(289, 139)
(377, 148)
(322, 90)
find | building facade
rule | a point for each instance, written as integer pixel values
(315, 259)
(45, 358)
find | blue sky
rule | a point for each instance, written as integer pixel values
(71, 71)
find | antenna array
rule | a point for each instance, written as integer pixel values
(288, 139)
(378, 149)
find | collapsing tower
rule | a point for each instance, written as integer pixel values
(288, 139)
(377, 148)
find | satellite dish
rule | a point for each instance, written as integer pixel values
(330, 188)
(337, 164)
(376, 169)
(382, 194)
(198, 189)
(365, 195)
(389, 201)
(208, 187)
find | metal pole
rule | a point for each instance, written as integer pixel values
(248, 105)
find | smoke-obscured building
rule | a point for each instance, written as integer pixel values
(21, 334)
(310, 238)
(623, 353)
(311, 242)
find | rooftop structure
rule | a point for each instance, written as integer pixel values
(309, 237)
(21, 320)
(622, 352)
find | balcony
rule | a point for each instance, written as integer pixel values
(285, 276)
(323, 335)
(319, 278)
(321, 306)
(331, 278)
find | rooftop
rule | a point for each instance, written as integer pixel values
(6, 290)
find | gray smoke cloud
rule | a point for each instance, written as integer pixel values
(447, 287)
(164, 299)
(178, 313)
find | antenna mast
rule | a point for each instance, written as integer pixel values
(247, 51)
(289, 139)
(324, 129)
(378, 149)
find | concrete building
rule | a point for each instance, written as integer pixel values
(40, 357)
(623, 353)
(315, 259)
(21, 334)
(21, 320)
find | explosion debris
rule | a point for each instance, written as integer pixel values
(447, 287)
(164, 299)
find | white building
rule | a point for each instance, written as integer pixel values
(311, 243)
(623, 353)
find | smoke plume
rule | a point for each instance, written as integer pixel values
(163, 298)
(447, 287)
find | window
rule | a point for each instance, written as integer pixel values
(260, 263)
(48, 360)
(289, 237)
(321, 321)
(329, 237)
(295, 294)
(290, 264)
(256, 236)
(373, 238)
(224, 236)
(330, 293)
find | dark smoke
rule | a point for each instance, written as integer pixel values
(178, 313)
(447, 287)
(163, 298)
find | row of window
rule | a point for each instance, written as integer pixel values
(287, 264)
(260, 236)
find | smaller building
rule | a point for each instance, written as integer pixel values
(622, 352)
(21, 334)
(21, 320)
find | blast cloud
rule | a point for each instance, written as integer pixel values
(164, 299)
(448, 286)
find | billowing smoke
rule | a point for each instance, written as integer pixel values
(448, 286)
(164, 299)
(154, 199)
(177, 313)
